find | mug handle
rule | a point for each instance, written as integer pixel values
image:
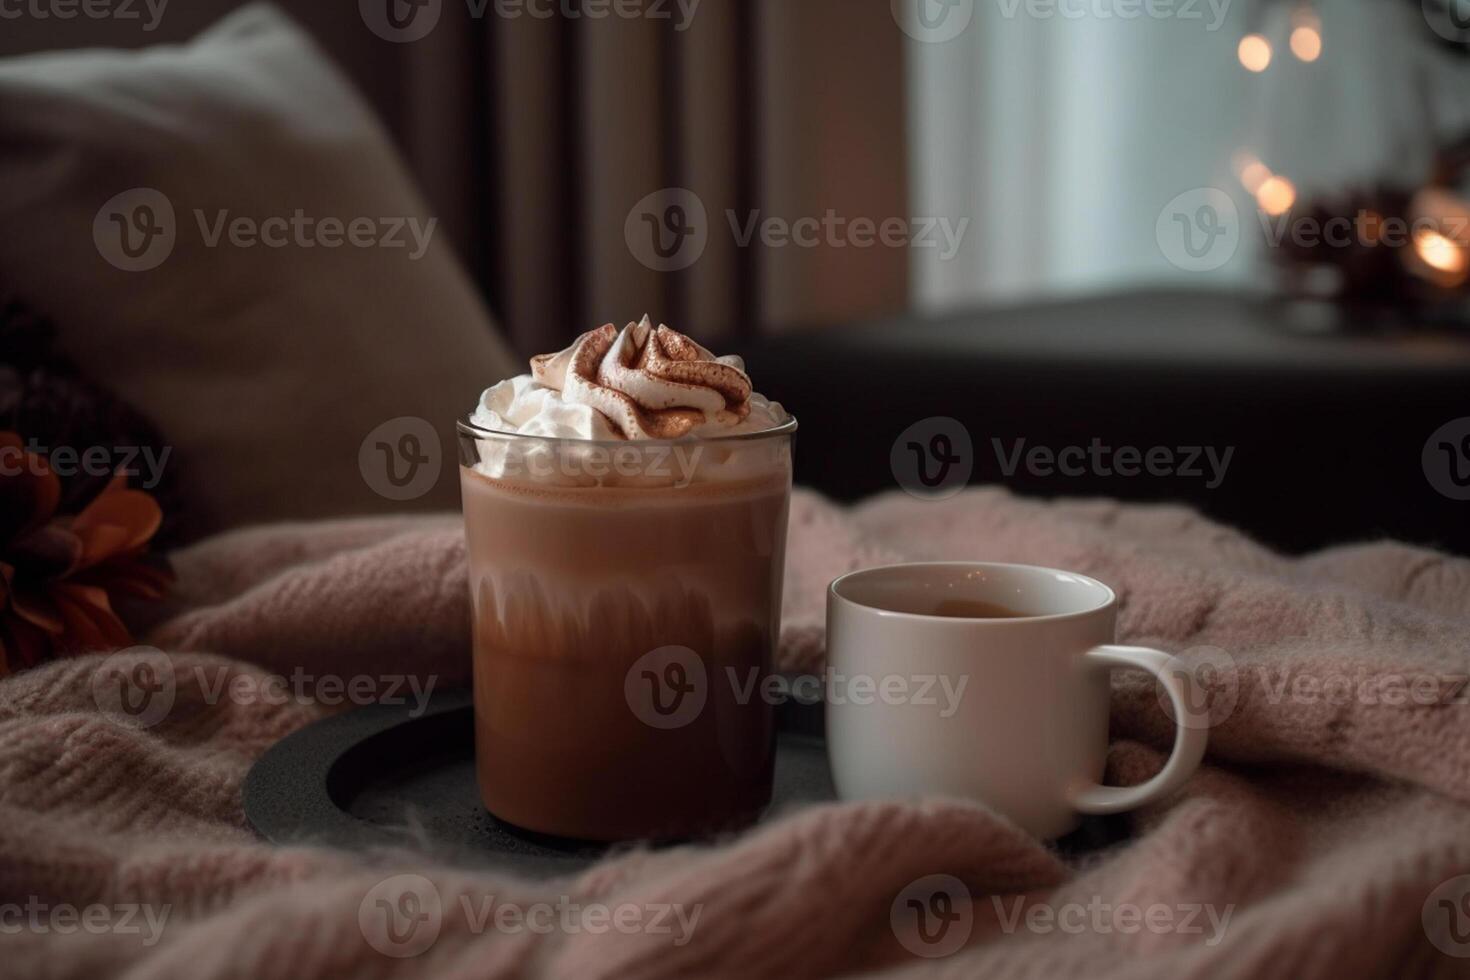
(1191, 733)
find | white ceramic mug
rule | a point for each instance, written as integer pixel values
(1012, 712)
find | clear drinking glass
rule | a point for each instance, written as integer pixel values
(627, 603)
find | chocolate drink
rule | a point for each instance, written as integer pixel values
(571, 588)
(626, 607)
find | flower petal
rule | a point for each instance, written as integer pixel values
(26, 646)
(38, 610)
(47, 552)
(29, 491)
(145, 576)
(119, 520)
(90, 622)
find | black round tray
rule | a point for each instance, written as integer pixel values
(377, 777)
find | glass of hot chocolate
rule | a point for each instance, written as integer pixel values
(625, 509)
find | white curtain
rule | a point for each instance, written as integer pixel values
(1063, 137)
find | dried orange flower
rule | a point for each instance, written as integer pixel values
(60, 574)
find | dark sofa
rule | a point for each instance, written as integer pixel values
(1326, 416)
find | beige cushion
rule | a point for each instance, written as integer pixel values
(266, 367)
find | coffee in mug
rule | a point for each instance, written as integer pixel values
(1028, 652)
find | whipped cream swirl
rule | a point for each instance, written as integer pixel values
(641, 382)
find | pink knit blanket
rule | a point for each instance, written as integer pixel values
(1326, 835)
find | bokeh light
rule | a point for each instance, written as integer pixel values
(1276, 195)
(1254, 52)
(1306, 43)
